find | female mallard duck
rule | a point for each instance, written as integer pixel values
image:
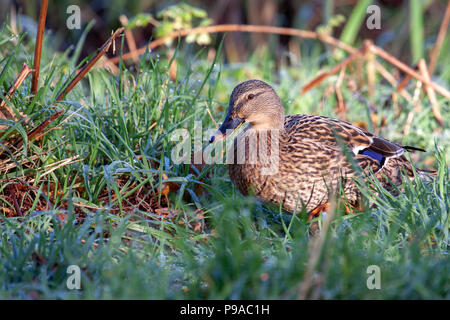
(310, 162)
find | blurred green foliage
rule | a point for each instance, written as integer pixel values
(183, 16)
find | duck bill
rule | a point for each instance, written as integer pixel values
(229, 125)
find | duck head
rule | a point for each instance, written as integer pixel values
(253, 102)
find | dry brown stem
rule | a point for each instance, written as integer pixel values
(38, 48)
(5, 110)
(434, 54)
(240, 28)
(400, 65)
(81, 73)
(430, 92)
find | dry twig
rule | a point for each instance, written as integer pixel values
(5, 111)
(434, 54)
(130, 38)
(394, 61)
(416, 105)
(240, 28)
(430, 92)
(391, 79)
(314, 82)
(81, 73)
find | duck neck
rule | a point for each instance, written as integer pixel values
(271, 122)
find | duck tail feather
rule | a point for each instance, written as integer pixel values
(411, 148)
(429, 172)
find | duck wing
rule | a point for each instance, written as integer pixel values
(359, 141)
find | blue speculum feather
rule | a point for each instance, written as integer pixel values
(376, 156)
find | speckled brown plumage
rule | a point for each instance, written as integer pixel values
(312, 163)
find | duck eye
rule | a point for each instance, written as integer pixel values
(250, 96)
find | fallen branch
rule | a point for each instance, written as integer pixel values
(400, 65)
(368, 45)
(291, 32)
(239, 28)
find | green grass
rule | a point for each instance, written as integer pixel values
(243, 249)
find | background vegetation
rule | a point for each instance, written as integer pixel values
(99, 189)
